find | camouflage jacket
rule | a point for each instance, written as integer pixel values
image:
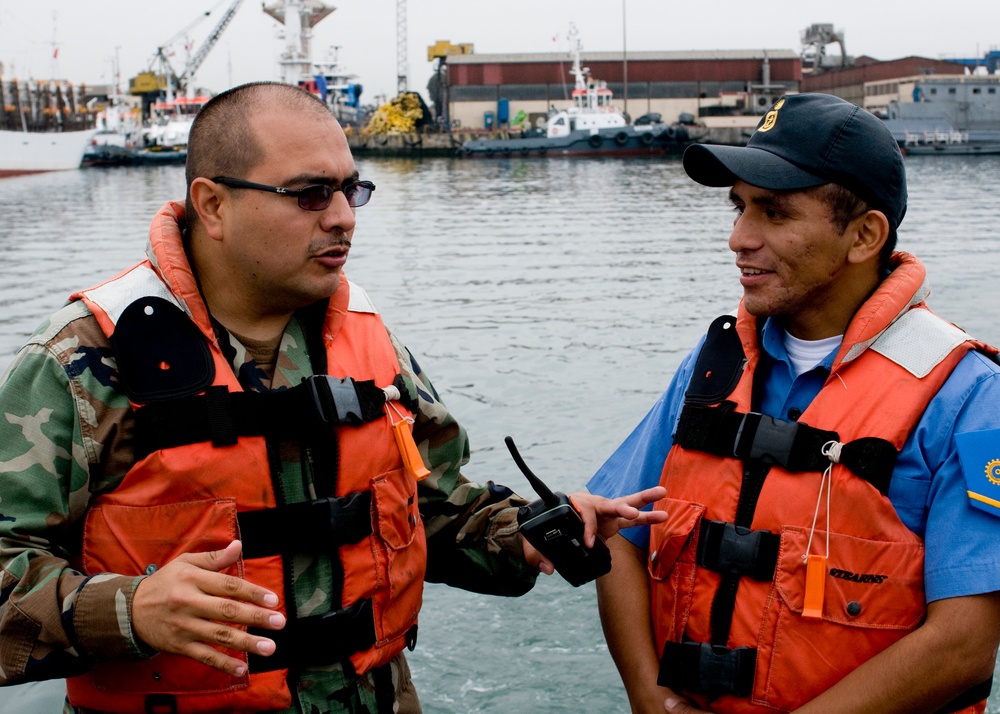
(66, 434)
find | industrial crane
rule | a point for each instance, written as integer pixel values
(195, 62)
(161, 59)
(160, 75)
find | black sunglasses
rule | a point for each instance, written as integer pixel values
(315, 197)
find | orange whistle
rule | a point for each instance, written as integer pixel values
(812, 605)
(412, 462)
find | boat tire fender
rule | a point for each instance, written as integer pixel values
(647, 139)
(594, 140)
(621, 138)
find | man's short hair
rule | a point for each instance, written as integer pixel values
(844, 207)
(222, 141)
(808, 140)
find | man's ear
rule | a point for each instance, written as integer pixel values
(870, 231)
(208, 201)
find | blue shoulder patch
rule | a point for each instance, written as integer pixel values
(979, 452)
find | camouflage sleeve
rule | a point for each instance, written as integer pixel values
(54, 620)
(472, 537)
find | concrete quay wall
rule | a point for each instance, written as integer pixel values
(448, 144)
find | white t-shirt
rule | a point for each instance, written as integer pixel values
(806, 354)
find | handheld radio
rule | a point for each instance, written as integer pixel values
(554, 527)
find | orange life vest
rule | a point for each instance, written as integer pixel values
(728, 571)
(190, 498)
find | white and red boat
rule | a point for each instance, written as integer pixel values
(28, 152)
(43, 127)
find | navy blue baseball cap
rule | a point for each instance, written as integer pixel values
(808, 140)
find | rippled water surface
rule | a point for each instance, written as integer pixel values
(548, 299)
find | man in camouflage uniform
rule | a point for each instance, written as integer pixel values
(66, 437)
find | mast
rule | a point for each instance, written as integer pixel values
(297, 18)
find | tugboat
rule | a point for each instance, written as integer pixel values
(592, 126)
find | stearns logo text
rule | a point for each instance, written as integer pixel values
(858, 577)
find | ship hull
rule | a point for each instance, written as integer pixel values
(36, 152)
(615, 141)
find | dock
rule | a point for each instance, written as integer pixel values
(447, 144)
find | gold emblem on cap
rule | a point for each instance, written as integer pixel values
(993, 471)
(771, 117)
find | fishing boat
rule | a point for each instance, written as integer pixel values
(591, 126)
(171, 121)
(123, 141)
(43, 127)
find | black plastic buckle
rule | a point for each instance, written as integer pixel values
(339, 634)
(736, 550)
(318, 526)
(703, 668)
(349, 517)
(336, 400)
(765, 438)
(320, 640)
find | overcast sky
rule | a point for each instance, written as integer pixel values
(90, 33)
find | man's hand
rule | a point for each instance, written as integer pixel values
(186, 606)
(604, 517)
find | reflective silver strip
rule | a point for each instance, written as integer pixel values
(360, 302)
(918, 297)
(117, 294)
(919, 341)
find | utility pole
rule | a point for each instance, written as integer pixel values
(624, 67)
(401, 82)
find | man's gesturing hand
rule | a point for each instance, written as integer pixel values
(604, 517)
(188, 607)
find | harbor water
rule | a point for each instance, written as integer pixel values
(549, 300)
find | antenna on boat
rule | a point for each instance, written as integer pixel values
(575, 47)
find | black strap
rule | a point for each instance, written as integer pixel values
(319, 640)
(702, 668)
(385, 693)
(796, 446)
(735, 550)
(724, 602)
(220, 416)
(971, 696)
(315, 526)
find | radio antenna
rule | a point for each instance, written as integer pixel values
(541, 489)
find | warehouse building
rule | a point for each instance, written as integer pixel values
(719, 86)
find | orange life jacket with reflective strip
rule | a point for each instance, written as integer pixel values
(186, 499)
(873, 586)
